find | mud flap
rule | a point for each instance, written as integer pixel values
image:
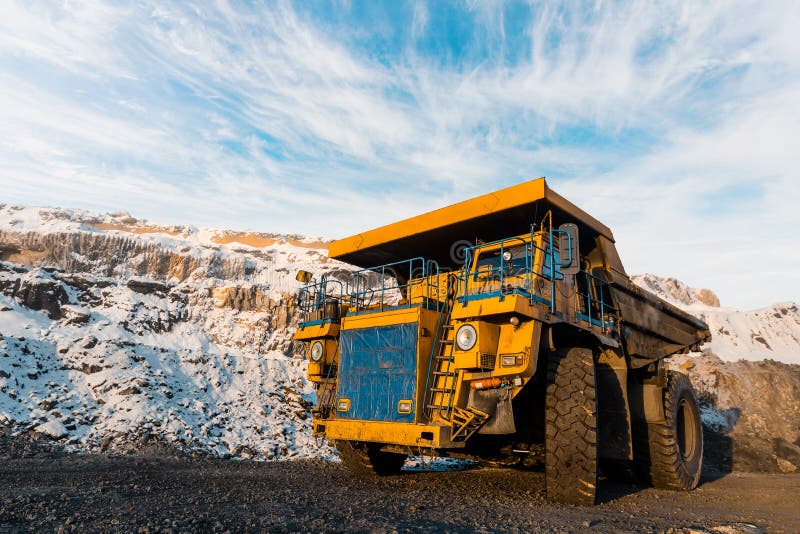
(497, 403)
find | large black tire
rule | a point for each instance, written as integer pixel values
(571, 427)
(670, 454)
(366, 459)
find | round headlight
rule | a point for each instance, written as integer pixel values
(316, 351)
(466, 337)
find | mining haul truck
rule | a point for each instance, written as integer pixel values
(502, 329)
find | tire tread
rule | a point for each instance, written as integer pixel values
(571, 427)
(367, 460)
(660, 462)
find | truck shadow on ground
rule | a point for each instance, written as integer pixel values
(610, 489)
(616, 480)
(612, 485)
(718, 455)
(717, 463)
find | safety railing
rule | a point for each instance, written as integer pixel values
(593, 305)
(403, 283)
(321, 301)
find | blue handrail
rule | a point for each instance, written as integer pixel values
(359, 292)
(414, 270)
(312, 297)
(595, 311)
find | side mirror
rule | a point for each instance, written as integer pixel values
(568, 245)
(303, 277)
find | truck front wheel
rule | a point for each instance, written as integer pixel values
(366, 459)
(671, 453)
(571, 427)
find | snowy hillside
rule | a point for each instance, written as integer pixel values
(769, 333)
(139, 333)
(103, 386)
(122, 246)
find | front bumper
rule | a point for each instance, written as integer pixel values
(404, 434)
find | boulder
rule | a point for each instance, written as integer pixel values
(42, 294)
(148, 287)
(75, 315)
(53, 429)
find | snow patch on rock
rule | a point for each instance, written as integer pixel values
(52, 428)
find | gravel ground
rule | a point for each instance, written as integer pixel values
(73, 493)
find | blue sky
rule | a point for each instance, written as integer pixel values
(675, 123)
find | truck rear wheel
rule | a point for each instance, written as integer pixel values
(571, 427)
(671, 453)
(366, 459)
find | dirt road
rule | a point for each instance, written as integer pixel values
(91, 493)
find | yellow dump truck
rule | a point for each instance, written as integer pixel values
(502, 329)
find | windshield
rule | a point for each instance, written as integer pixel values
(489, 261)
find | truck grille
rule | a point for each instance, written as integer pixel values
(488, 361)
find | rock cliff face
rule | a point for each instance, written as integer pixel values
(110, 365)
(209, 268)
(117, 333)
(32, 292)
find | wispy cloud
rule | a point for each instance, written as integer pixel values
(674, 122)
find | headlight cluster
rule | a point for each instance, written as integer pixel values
(466, 337)
(317, 351)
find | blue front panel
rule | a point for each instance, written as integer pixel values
(377, 369)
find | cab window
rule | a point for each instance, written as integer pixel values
(489, 261)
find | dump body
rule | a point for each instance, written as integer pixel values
(440, 341)
(508, 212)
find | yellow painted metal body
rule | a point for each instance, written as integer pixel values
(406, 434)
(432, 436)
(504, 350)
(326, 332)
(316, 331)
(485, 348)
(502, 339)
(430, 287)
